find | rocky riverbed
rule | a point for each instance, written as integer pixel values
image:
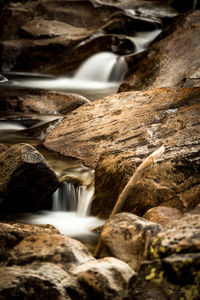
(151, 247)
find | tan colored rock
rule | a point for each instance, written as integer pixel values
(126, 237)
(106, 278)
(170, 60)
(39, 101)
(54, 248)
(3, 148)
(162, 215)
(12, 233)
(116, 134)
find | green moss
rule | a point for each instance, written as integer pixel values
(151, 275)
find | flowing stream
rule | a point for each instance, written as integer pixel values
(98, 76)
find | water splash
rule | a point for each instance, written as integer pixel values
(142, 39)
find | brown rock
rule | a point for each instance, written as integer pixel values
(39, 101)
(38, 281)
(105, 278)
(54, 248)
(27, 179)
(119, 131)
(170, 60)
(126, 237)
(3, 148)
(39, 28)
(180, 236)
(12, 233)
(162, 215)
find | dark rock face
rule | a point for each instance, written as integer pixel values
(173, 60)
(27, 179)
(39, 101)
(119, 131)
(126, 237)
(173, 271)
(162, 215)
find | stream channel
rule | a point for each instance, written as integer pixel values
(98, 76)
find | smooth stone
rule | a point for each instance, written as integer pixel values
(162, 215)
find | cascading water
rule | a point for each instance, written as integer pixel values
(93, 79)
(70, 212)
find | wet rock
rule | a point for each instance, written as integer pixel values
(162, 214)
(176, 49)
(119, 131)
(39, 28)
(39, 101)
(38, 281)
(3, 79)
(173, 272)
(27, 179)
(55, 248)
(126, 237)
(12, 233)
(105, 278)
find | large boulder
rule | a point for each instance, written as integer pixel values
(14, 100)
(172, 60)
(12, 233)
(55, 248)
(115, 135)
(126, 237)
(106, 278)
(173, 269)
(40, 280)
(27, 180)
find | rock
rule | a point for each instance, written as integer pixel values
(3, 148)
(11, 234)
(162, 214)
(180, 236)
(40, 28)
(38, 281)
(126, 237)
(55, 248)
(118, 132)
(27, 179)
(173, 272)
(176, 49)
(39, 101)
(105, 278)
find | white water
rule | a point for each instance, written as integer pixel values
(143, 39)
(11, 126)
(70, 212)
(92, 79)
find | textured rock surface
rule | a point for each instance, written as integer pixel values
(119, 131)
(55, 248)
(105, 278)
(173, 272)
(39, 101)
(12, 233)
(27, 179)
(162, 215)
(177, 49)
(38, 281)
(126, 237)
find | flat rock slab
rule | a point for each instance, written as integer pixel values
(14, 100)
(173, 60)
(116, 133)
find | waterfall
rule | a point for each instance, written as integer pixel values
(71, 198)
